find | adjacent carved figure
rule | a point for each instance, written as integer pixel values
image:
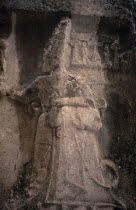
(84, 50)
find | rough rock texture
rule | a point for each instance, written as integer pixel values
(38, 5)
(99, 7)
(67, 105)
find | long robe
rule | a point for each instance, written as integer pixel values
(67, 158)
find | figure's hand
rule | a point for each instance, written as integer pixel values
(35, 108)
(14, 94)
(18, 95)
(56, 102)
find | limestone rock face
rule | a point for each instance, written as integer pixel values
(67, 105)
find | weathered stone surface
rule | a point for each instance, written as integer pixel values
(38, 5)
(67, 105)
(86, 7)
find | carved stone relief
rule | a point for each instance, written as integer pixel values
(67, 161)
(70, 165)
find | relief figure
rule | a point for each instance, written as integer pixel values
(69, 169)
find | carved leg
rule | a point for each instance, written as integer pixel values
(81, 208)
(68, 207)
(52, 208)
(105, 207)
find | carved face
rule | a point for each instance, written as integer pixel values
(72, 87)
